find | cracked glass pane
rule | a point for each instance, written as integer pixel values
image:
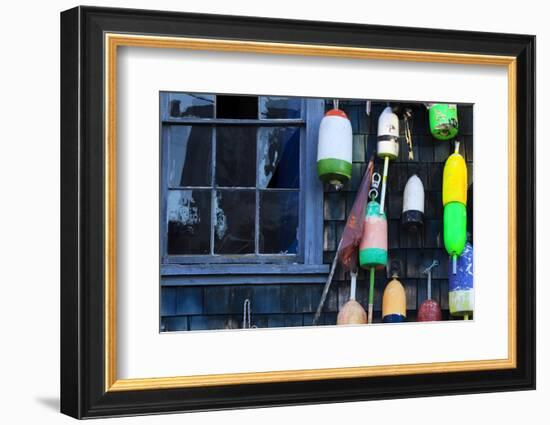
(189, 219)
(279, 221)
(236, 156)
(279, 158)
(190, 156)
(234, 222)
(280, 107)
(189, 105)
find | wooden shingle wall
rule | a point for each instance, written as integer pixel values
(221, 306)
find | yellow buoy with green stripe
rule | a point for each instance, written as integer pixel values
(455, 187)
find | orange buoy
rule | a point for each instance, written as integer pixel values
(352, 313)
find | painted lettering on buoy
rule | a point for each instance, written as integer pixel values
(443, 119)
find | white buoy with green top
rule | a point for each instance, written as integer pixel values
(335, 148)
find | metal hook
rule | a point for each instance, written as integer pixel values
(428, 269)
(246, 314)
(376, 179)
(373, 194)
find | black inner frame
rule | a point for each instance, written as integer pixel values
(82, 243)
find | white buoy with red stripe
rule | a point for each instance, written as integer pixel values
(334, 151)
(388, 145)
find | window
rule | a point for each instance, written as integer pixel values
(239, 185)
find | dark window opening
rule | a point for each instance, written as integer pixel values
(237, 107)
(235, 157)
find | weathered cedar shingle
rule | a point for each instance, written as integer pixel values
(189, 300)
(335, 206)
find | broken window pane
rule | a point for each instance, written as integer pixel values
(279, 157)
(190, 156)
(188, 105)
(280, 107)
(279, 222)
(236, 156)
(188, 222)
(237, 107)
(234, 222)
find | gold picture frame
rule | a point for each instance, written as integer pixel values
(114, 41)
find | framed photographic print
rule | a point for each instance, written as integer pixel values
(261, 212)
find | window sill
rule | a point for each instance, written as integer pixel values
(223, 274)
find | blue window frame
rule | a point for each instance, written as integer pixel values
(240, 198)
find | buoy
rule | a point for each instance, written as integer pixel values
(334, 151)
(429, 310)
(388, 134)
(455, 186)
(443, 121)
(455, 179)
(388, 145)
(413, 203)
(394, 302)
(373, 250)
(352, 313)
(461, 285)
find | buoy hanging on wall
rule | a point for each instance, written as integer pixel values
(388, 134)
(429, 310)
(461, 285)
(394, 302)
(334, 150)
(352, 313)
(413, 203)
(373, 250)
(388, 145)
(443, 119)
(455, 185)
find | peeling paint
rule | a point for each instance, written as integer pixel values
(184, 209)
(221, 219)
